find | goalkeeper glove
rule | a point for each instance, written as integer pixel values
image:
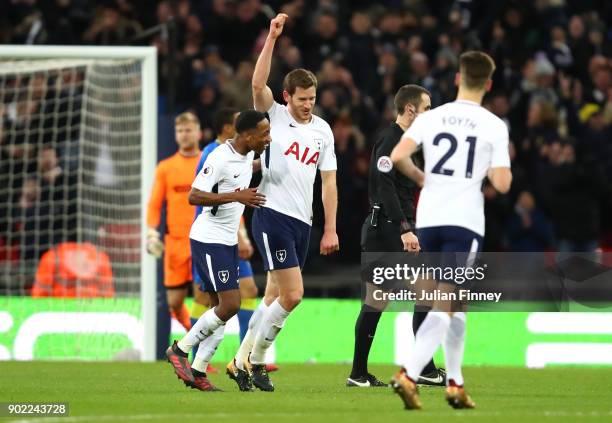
(154, 245)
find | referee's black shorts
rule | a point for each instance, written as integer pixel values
(384, 237)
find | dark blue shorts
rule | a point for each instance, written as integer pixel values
(216, 265)
(281, 240)
(458, 246)
(245, 271)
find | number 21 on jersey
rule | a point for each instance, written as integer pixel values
(439, 167)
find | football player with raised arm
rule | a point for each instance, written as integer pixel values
(303, 144)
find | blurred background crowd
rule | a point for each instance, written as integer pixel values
(552, 86)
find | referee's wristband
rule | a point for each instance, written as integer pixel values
(405, 226)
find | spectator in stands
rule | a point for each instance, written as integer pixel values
(571, 193)
(324, 42)
(206, 108)
(352, 183)
(237, 93)
(53, 218)
(110, 27)
(528, 229)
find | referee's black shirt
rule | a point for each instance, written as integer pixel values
(392, 191)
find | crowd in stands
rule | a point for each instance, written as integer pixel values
(552, 86)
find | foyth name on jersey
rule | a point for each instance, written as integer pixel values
(459, 121)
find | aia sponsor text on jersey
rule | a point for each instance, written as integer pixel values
(305, 156)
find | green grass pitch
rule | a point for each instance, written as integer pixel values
(118, 392)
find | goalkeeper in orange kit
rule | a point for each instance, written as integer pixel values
(173, 178)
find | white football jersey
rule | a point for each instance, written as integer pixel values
(289, 164)
(461, 141)
(225, 170)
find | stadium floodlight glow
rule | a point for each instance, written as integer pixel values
(96, 107)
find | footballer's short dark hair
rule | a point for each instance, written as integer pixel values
(248, 119)
(475, 68)
(301, 78)
(409, 94)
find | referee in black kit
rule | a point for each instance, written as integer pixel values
(390, 228)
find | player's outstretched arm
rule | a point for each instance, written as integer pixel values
(262, 94)
(402, 160)
(329, 196)
(249, 197)
(500, 178)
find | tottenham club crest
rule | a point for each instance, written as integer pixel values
(223, 275)
(281, 255)
(384, 164)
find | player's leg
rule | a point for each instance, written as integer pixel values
(179, 358)
(431, 333)
(435, 325)
(248, 295)
(242, 355)
(217, 265)
(240, 361)
(460, 240)
(431, 375)
(427, 340)
(373, 239)
(283, 243)
(218, 269)
(177, 277)
(430, 241)
(202, 301)
(365, 330)
(291, 291)
(238, 369)
(204, 351)
(227, 304)
(221, 263)
(456, 396)
(404, 382)
(175, 296)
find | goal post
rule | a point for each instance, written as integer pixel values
(113, 159)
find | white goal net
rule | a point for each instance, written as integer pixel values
(77, 149)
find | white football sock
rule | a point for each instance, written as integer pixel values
(202, 329)
(427, 339)
(246, 346)
(272, 322)
(207, 349)
(453, 348)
